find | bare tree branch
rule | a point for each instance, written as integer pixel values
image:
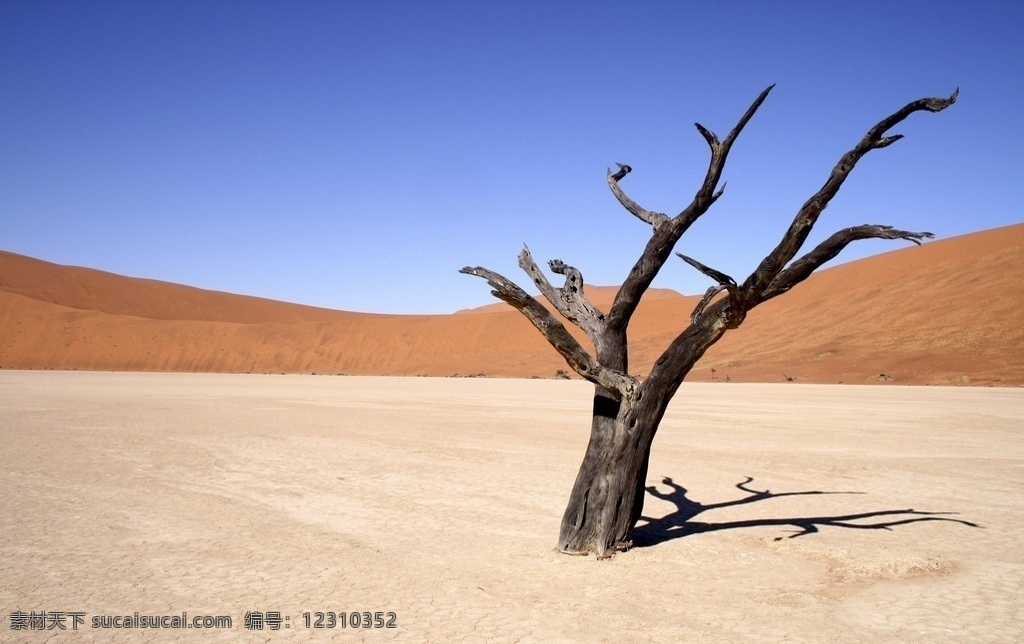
(808, 214)
(932, 105)
(570, 300)
(541, 282)
(718, 276)
(802, 268)
(575, 297)
(618, 383)
(655, 219)
(706, 195)
(664, 239)
(718, 194)
(725, 283)
(709, 136)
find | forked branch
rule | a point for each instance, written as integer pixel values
(771, 278)
(709, 295)
(620, 384)
(707, 195)
(725, 283)
(807, 216)
(660, 246)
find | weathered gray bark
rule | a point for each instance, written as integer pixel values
(607, 498)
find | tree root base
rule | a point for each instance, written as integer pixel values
(619, 546)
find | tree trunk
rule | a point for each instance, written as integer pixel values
(608, 496)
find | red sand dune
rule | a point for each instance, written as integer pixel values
(948, 312)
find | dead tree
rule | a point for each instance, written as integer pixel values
(608, 495)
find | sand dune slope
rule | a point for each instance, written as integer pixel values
(944, 313)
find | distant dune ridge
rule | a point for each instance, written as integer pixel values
(948, 312)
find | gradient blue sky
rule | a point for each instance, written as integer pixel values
(356, 155)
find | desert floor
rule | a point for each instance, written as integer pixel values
(439, 500)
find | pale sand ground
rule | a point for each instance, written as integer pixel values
(440, 500)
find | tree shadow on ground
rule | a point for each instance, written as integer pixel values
(680, 523)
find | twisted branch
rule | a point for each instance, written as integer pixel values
(575, 297)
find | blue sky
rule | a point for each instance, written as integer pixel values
(356, 155)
